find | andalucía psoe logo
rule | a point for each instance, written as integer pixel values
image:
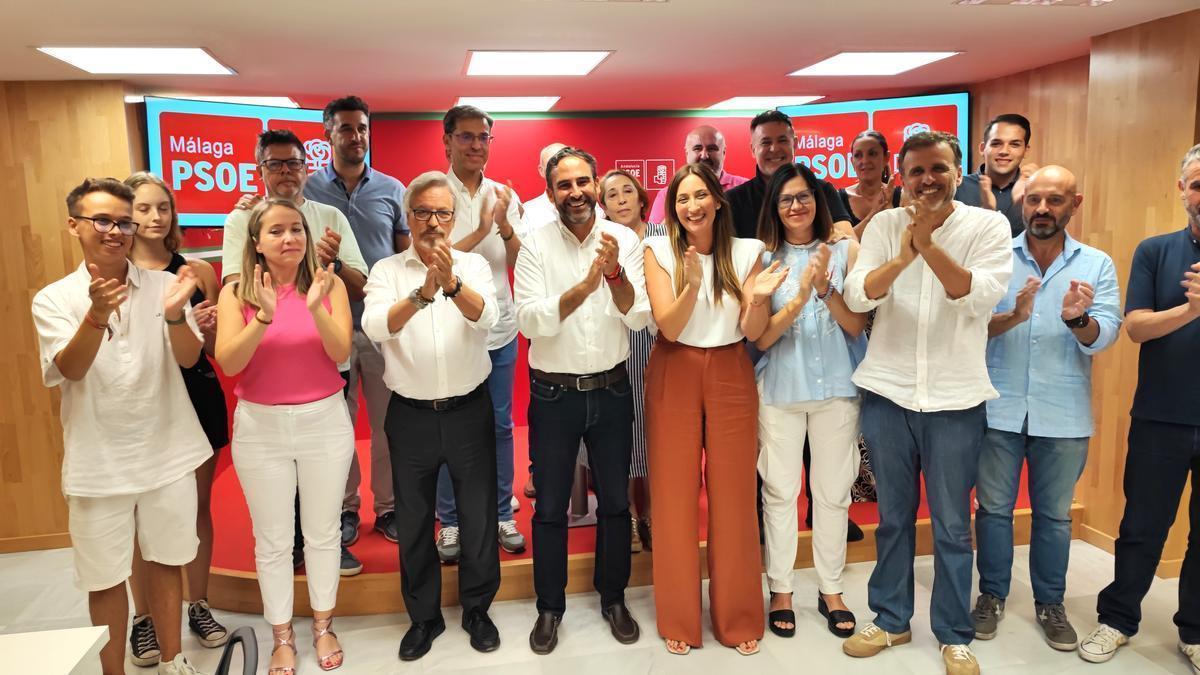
(915, 128)
(318, 152)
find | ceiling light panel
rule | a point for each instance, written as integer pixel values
(871, 63)
(761, 102)
(533, 63)
(510, 103)
(139, 60)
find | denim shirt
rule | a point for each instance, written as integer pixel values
(812, 360)
(1043, 373)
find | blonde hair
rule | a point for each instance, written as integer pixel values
(251, 256)
(174, 235)
(725, 279)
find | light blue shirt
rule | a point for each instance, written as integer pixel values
(1041, 370)
(812, 360)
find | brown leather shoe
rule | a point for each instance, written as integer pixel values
(544, 636)
(624, 628)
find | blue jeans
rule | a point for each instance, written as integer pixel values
(944, 446)
(1055, 464)
(500, 387)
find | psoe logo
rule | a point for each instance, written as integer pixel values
(318, 152)
(915, 128)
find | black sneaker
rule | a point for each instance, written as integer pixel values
(143, 643)
(208, 631)
(988, 612)
(350, 521)
(386, 525)
(350, 564)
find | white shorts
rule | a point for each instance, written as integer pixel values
(102, 530)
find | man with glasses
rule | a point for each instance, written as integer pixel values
(281, 161)
(112, 337)
(431, 309)
(486, 219)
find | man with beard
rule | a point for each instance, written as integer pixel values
(541, 210)
(933, 271)
(579, 290)
(431, 308)
(1161, 306)
(704, 144)
(999, 183)
(1060, 310)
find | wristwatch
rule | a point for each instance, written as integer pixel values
(1080, 321)
(419, 300)
(457, 287)
(337, 265)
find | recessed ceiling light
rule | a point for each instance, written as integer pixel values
(871, 63)
(534, 63)
(276, 101)
(761, 102)
(139, 60)
(510, 103)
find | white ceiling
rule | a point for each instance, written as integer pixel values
(410, 55)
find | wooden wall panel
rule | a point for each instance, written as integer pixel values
(1142, 117)
(52, 134)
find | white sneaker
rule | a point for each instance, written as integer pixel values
(1101, 644)
(178, 666)
(1193, 654)
(516, 505)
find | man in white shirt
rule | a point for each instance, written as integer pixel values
(933, 272)
(487, 221)
(579, 388)
(112, 337)
(431, 308)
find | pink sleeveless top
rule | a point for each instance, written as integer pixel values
(290, 366)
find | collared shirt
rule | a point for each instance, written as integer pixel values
(439, 353)
(128, 423)
(1042, 371)
(318, 216)
(595, 337)
(658, 212)
(970, 194)
(540, 212)
(1168, 385)
(467, 208)
(746, 200)
(926, 351)
(811, 361)
(375, 211)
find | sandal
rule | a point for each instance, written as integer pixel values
(682, 651)
(834, 617)
(782, 616)
(747, 651)
(283, 638)
(321, 628)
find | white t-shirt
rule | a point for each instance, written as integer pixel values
(711, 325)
(319, 216)
(128, 424)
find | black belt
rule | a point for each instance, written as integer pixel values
(442, 404)
(584, 382)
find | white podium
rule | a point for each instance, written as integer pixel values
(71, 651)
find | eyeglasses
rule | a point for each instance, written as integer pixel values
(805, 197)
(468, 138)
(105, 225)
(276, 165)
(423, 216)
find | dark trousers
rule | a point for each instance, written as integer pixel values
(558, 419)
(1160, 458)
(420, 442)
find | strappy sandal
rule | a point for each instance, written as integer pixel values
(747, 651)
(283, 638)
(332, 660)
(684, 651)
(836, 616)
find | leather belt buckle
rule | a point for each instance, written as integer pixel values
(590, 382)
(442, 404)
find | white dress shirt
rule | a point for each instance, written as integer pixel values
(926, 351)
(439, 353)
(710, 325)
(128, 424)
(595, 337)
(467, 208)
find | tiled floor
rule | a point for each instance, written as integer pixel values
(38, 594)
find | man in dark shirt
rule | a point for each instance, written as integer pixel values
(1161, 307)
(999, 183)
(773, 143)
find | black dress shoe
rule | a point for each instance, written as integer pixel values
(853, 531)
(624, 628)
(419, 638)
(544, 636)
(484, 636)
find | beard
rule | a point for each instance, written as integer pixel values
(1041, 229)
(575, 214)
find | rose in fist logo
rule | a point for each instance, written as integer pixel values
(914, 128)
(318, 152)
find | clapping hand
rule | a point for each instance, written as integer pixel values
(926, 219)
(1077, 300)
(205, 314)
(328, 247)
(247, 202)
(179, 292)
(986, 197)
(106, 294)
(502, 200)
(768, 281)
(610, 252)
(443, 265)
(693, 270)
(322, 284)
(1023, 306)
(265, 292)
(1191, 285)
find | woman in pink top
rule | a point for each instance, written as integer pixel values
(284, 330)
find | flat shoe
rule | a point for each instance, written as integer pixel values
(747, 652)
(687, 649)
(834, 617)
(782, 616)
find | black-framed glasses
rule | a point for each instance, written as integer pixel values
(468, 138)
(105, 225)
(805, 197)
(423, 216)
(276, 165)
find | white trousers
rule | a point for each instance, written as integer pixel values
(832, 429)
(275, 449)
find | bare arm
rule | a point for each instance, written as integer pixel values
(237, 340)
(671, 313)
(1144, 325)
